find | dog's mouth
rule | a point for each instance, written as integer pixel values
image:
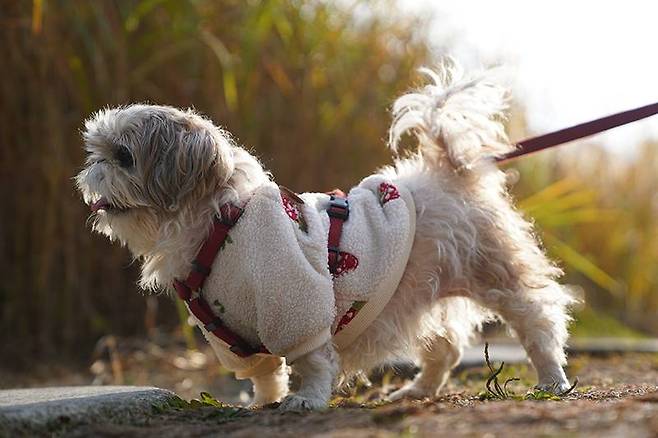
(103, 204)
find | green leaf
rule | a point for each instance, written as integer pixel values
(539, 394)
(209, 400)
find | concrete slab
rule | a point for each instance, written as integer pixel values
(512, 352)
(604, 346)
(43, 410)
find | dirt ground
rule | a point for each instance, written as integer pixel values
(616, 396)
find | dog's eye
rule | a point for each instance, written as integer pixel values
(124, 157)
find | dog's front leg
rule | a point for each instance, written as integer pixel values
(271, 387)
(317, 369)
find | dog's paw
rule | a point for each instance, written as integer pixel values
(557, 388)
(263, 402)
(295, 402)
(262, 398)
(410, 391)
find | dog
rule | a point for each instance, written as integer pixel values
(156, 178)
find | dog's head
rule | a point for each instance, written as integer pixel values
(148, 164)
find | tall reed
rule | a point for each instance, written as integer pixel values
(305, 84)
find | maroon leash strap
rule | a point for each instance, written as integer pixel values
(338, 211)
(189, 290)
(582, 130)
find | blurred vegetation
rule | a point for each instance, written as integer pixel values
(300, 82)
(303, 82)
(598, 213)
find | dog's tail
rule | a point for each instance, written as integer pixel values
(456, 119)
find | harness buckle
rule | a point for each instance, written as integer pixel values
(201, 269)
(213, 325)
(243, 350)
(339, 208)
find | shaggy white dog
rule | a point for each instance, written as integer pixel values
(156, 177)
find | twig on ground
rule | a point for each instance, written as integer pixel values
(497, 391)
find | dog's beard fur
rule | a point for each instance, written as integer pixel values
(471, 248)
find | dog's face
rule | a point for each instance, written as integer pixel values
(145, 165)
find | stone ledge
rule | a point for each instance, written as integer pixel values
(45, 410)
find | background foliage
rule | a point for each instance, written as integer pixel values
(307, 85)
(303, 83)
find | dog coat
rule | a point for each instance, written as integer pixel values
(270, 282)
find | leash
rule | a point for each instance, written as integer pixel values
(576, 132)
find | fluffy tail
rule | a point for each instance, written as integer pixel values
(456, 119)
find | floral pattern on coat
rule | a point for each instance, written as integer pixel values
(350, 315)
(294, 213)
(346, 262)
(387, 192)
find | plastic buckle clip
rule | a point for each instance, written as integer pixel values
(339, 208)
(242, 350)
(201, 269)
(213, 325)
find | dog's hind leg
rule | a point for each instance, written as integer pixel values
(539, 318)
(318, 370)
(438, 356)
(450, 327)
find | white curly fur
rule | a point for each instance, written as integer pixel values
(474, 256)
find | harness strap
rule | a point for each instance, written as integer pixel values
(189, 290)
(339, 212)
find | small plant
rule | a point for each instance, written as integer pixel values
(540, 394)
(205, 400)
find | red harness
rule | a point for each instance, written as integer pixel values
(338, 211)
(190, 289)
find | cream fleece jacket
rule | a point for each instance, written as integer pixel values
(270, 283)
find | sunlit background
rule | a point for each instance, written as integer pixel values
(307, 86)
(568, 61)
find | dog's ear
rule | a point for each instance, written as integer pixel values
(188, 158)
